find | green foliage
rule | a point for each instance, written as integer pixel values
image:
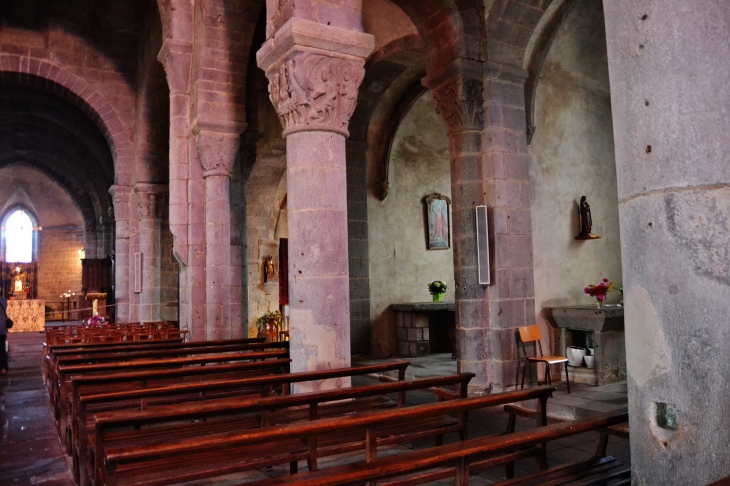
(437, 287)
(269, 316)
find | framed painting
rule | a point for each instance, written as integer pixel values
(438, 221)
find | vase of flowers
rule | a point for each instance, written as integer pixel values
(268, 326)
(95, 320)
(437, 289)
(600, 291)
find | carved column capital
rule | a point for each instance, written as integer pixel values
(150, 200)
(315, 92)
(314, 74)
(461, 102)
(120, 200)
(217, 152)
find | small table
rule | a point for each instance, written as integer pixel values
(425, 326)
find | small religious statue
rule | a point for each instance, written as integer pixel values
(586, 222)
(270, 272)
(19, 289)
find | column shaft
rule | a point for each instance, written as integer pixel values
(669, 69)
(318, 258)
(217, 257)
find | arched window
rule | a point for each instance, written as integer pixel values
(19, 237)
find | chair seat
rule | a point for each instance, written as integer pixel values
(548, 359)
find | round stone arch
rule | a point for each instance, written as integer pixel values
(40, 73)
(450, 30)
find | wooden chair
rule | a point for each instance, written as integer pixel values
(532, 334)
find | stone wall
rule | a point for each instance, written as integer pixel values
(572, 155)
(59, 265)
(401, 266)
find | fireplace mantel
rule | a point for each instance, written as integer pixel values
(587, 317)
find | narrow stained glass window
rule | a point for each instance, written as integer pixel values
(18, 238)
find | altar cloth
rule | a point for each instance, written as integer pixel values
(28, 315)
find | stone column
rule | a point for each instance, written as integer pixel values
(488, 167)
(217, 152)
(121, 200)
(670, 94)
(314, 72)
(150, 201)
(459, 100)
(176, 56)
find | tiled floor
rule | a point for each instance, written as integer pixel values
(30, 452)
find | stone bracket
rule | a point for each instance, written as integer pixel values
(177, 58)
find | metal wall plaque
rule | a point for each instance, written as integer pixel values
(482, 245)
(137, 273)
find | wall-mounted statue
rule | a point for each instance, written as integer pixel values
(585, 222)
(270, 271)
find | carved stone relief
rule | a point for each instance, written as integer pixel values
(460, 102)
(150, 204)
(315, 92)
(120, 201)
(217, 152)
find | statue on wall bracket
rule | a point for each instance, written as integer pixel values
(585, 221)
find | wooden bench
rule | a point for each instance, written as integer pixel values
(142, 399)
(63, 398)
(123, 347)
(68, 365)
(83, 387)
(159, 353)
(459, 460)
(54, 344)
(176, 459)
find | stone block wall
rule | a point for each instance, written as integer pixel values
(59, 265)
(169, 271)
(359, 260)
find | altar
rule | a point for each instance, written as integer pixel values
(425, 327)
(28, 315)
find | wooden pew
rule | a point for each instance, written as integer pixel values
(55, 352)
(166, 352)
(67, 366)
(63, 399)
(185, 458)
(92, 385)
(460, 459)
(50, 352)
(142, 399)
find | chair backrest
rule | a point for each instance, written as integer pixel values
(530, 334)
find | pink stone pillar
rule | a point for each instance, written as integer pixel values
(315, 95)
(217, 153)
(150, 202)
(176, 57)
(121, 199)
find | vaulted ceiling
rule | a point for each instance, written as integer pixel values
(43, 130)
